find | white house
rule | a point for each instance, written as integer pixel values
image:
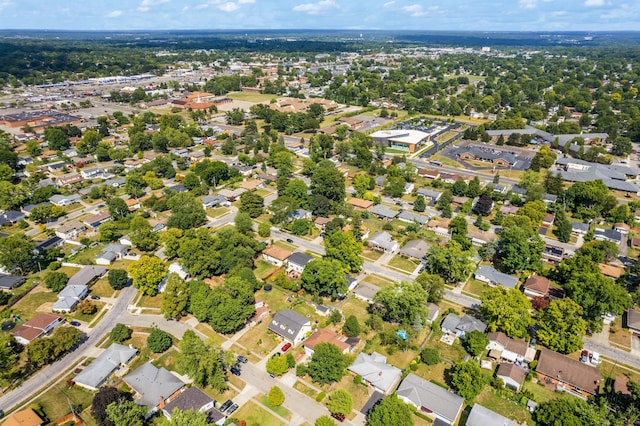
(290, 325)
(69, 297)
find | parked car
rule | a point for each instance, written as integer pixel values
(232, 409)
(289, 240)
(286, 347)
(235, 371)
(338, 416)
(584, 356)
(75, 323)
(224, 407)
(94, 297)
(242, 359)
(595, 358)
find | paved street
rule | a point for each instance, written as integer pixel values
(42, 378)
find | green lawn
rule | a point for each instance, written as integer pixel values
(359, 393)
(102, 288)
(281, 411)
(402, 263)
(208, 331)
(491, 400)
(254, 415)
(371, 255)
(217, 212)
(258, 340)
(150, 301)
(475, 287)
(356, 307)
(252, 97)
(302, 387)
(542, 394)
(29, 304)
(264, 269)
(378, 280)
(54, 401)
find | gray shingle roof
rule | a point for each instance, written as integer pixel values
(431, 396)
(97, 372)
(299, 259)
(153, 384)
(497, 277)
(408, 216)
(482, 416)
(190, 399)
(415, 248)
(288, 323)
(87, 274)
(384, 211)
(375, 370)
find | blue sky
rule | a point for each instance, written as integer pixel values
(492, 15)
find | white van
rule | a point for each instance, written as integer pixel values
(595, 358)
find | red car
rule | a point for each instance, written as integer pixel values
(286, 347)
(338, 416)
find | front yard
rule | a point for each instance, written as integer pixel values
(254, 415)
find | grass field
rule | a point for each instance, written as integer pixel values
(102, 288)
(217, 212)
(28, 305)
(489, 399)
(618, 335)
(371, 254)
(378, 280)
(281, 411)
(258, 340)
(264, 269)
(402, 263)
(151, 301)
(254, 415)
(359, 393)
(475, 287)
(55, 402)
(302, 387)
(446, 161)
(251, 97)
(356, 307)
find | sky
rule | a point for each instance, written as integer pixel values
(454, 15)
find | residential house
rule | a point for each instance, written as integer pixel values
(87, 274)
(352, 282)
(633, 320)
(536, 286)
(133, 204)
(479, 237)
(549, 198)
(383, 241)
(482, 416)
(300, 214)
(321, 222)
(94, 221)
(429, 174)
(10, 217)
(95, 374)
(512, 375)
(493, 277)
(622, 228)
(383, 212)
(553, 254)
(507, 210)
(37, 326)
(440, 226)
(192, 398)
(51, 242)
(64, 200)
(296, 263)
(504, 347)
(111, 253)
(70, 230)
(179, 188)
(115, 182)
(366, 291)
(26, 417)
(250, 185)
(635, 242)
(434, 311)
(429, 195)
(453, 324)
(380, 181)
(579, 228)
(69, 297)
(568, 374)
(275, 255)
(26, 209)
(428, 398)
(9, 282)
(290, 325)
(415, 249)
(608, 235)
(411, 217)
(610, 271)
(154, 386)
(69, 179)
(548, 219)
(375, 371)
(210, 201)
(92, 173)
(232, 195)
(360, 204)
(325, 335)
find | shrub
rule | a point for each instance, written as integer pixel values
(276, 396)
(301, 370)
(158, 341)
(120, 333)
(320, 396)
(87, 307)
(430, 356)
(56, 281)
(357, 379)
(118, 279)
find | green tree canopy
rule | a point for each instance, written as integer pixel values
(390, 411)
(158, 340)
(147, 273)
(324, 277)
(451, 262)
(343, 247)
(562, 326)
(327, 364)
(403, 302)
(186, 211)
(340, 402)
(507, 310)
(467, 379)
(175, 297)
(276, 396)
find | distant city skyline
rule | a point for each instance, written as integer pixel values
(455, 15)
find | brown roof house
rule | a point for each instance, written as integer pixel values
(568, 374)
(36, 327)
(509, 349)
(359, 204)
(536, 286)
(325, 335)
(26, 417)
(275, 255)
(512, 375)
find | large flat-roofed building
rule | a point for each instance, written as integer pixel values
(38, 119)
(405, 140)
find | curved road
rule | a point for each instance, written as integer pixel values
(49, 373)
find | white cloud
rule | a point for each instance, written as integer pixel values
(246, 1)
(389, 3)
(202, 6)
(594, 3)
(528, 4)
(5, 3)
(316, 8)
(228, 7)
(146, 5)
(114, 14)
(416, 10)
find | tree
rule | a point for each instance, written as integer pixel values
(158, 341)
(569, 412)
(127, 413)
(340, 402)
(119, 333)
(324, 277)
(467, 379)
(506, 310)
(231, 305)
(390, 411)
(419, 204)
(622, 146)
(451, 262)
(101, 400)
(403, 303)
(251, 203)
(57, 139)
(243, 223)
(351, 326)
(16, 252)
(328, 182)
(204, 363)
(147, 273)
(563, 227)
(56, 281)
(118, 208)
(324, 421)
(475, 342)
(519, 250)
(186, 211)
(544, 158)
(264, 229)
(175, 297)
(118, 278)
(362, 184)
(277, 365)
(9, 355)
(562, 326)
(430, 356)
(433, 284)
(458, 229)
(327, 364)
(343, 246)
(187, 418)
(142, 235)
(276, 396)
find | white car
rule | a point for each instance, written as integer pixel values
(595, 358)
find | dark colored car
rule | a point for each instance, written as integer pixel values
(95, 297)
(289, 240)
(75, 323)
(235, 371)
(242, 359)
(224, 407)
(338, 416)
(232, 409)
(286, 347)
